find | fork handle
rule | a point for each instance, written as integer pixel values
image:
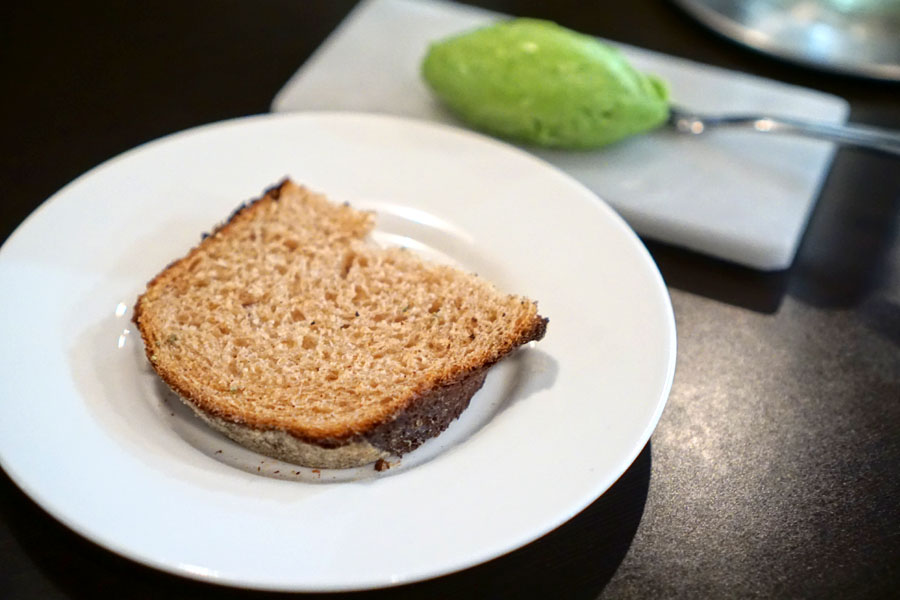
(853, 135)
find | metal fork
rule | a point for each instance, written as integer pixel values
(872, 138)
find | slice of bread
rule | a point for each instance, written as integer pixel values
(294, 335)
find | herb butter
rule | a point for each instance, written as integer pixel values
(537, 82)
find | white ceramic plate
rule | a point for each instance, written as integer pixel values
(89, 434)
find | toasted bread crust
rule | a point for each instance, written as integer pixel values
(282, 445)
(412, 420)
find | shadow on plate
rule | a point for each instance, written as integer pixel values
(576, 560)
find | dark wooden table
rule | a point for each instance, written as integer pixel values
(774, 470)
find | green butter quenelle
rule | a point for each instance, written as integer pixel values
(539, 83)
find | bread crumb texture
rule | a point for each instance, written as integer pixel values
(286, 318)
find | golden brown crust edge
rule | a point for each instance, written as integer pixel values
(426, 415)
(434, 407)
